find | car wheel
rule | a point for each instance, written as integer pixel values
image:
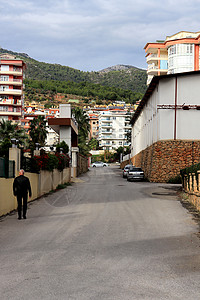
(94, 166)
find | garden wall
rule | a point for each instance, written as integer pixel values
(82, 164)
(191, 186)
(40, 184)
(164, 159)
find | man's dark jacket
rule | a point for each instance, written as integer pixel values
(21, 186)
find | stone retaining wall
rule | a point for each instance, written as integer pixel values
(164, 159)
(124, 163)
(82, 164)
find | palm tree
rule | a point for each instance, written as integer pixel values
(83, 129)
(38, 131)
(8, 131)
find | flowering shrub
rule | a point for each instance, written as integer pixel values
(63, 161)
(51, 161)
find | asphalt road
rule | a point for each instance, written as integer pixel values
(102, 238)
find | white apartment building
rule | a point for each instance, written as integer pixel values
(113, 127)
(176, 54)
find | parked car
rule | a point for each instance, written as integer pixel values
(99, 164)
(125, 170)
(135, 174)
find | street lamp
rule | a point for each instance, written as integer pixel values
(14, 142)
(37, 146)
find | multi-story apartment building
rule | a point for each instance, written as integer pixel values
(94, 126)
(113, 128)
(176, 54)
(11, 87)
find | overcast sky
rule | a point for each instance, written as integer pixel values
(90, 35)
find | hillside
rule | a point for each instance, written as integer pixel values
(120, 76)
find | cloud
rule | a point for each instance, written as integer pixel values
(92, 34)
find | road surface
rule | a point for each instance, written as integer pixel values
(102, 238)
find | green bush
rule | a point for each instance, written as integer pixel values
(191, 169)
(176, 180)
(62, 186)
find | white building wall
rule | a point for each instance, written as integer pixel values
(155, 124)
(116, 136)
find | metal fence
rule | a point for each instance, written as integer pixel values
(28, 165)
(7, 168)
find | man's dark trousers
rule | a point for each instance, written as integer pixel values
(19, 201)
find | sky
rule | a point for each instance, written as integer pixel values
(90, 35)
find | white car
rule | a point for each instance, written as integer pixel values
(135, 174)
(97, 164)
(126, 169)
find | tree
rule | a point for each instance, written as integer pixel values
(64, 146)
(38, 131)
(93, 144)
(8, 131)
(83, 130)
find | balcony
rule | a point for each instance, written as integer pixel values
(106, 132)
(10, 102)
(10, 111)
(155, 71)
(152, 58)
(11, 82)
(11, 92)
(106, 120)
(108, 137)
(16, 72)
(106, 125)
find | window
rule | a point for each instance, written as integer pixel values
(172, 50)
(3, 108)
(4, 68)
(4, 87)
(4, 78)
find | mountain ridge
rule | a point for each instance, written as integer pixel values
(120, 76)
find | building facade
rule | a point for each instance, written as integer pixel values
(165, 126)
(177, 53)
(113, 128)
(11, 87)
(94, 126)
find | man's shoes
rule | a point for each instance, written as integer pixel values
(19, 218)
(24, 217)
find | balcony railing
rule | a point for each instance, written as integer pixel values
(17, 72)
(106, 120)
(11, 102)
(106, 132)
(11, 92)
(106, 125)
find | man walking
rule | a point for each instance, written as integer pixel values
(21, 187)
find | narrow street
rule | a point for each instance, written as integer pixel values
(102, 238)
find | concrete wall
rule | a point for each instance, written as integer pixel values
(164, 159)
(40, 184)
